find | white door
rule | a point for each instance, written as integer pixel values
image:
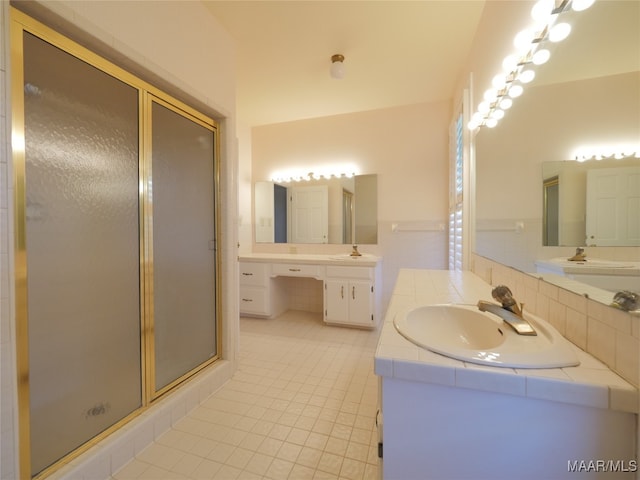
(310, 214)
(613, 207)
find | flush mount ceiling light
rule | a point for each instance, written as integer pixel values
(519, 67)
(337, 66)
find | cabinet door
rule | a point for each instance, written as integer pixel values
(360, 302)
(336, 301)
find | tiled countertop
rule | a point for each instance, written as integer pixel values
(365, 260)
(590, 384)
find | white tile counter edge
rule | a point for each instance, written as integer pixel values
(590, 384)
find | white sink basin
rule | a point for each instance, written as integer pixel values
(465, 333)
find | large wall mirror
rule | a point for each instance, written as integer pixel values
(336, 210)
(592, 204)
(588, 94)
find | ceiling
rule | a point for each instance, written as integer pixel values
(396, 53)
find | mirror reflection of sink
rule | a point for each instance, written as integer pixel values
(589, 263)
(465, 333)
(347, 256)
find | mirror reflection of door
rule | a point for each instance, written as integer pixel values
(613, 206)
(309, 214)
(347, 216)
(280, 213)
(551, 211)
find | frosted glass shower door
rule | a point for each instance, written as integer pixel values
(82, 249)
(184, 280)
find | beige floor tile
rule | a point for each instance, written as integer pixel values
(207, 469)
(259, 463)
(289, 451)
(239, 458)
(330, 463)
(279, 469)
(270, 446)
(352, 469)
(300, 472)
(221, 452)
(309, 457)
(302, 405)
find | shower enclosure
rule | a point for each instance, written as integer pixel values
(116, 263)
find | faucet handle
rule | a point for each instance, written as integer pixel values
(503, 294)
(626, 300)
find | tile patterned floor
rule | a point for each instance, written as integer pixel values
(302, 405)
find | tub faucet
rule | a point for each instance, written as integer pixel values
(508, 310)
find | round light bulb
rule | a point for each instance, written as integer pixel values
(498, 82)
(541, 11)
(491, 122)
(497, 114)
(515, 91)
(510, 63)
(483, 107)
(490, 95)
(505, 103)
(526, 76)
(559, 32)
(541, 56)
(579, 5)
(472, 125)
(522, 40)
(337, 70)
(477, 118)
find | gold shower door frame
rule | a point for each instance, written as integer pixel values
(147, 94)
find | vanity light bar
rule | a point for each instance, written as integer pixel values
(519, 68)
(599, 153)
(307, 177)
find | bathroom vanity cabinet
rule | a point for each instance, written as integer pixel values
(349, 296)
(255, 298)
(351, 287)
(445, 418)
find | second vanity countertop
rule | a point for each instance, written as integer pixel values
(590, 384)
(365, 260)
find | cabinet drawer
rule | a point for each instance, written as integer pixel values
(254, 300)
(294, 270)
(253, 273)
(350, 272)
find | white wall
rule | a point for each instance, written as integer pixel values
(245, 193)
(186, 52)
(407, 147)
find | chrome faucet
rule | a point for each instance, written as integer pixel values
(508, 310)
(626, 300)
